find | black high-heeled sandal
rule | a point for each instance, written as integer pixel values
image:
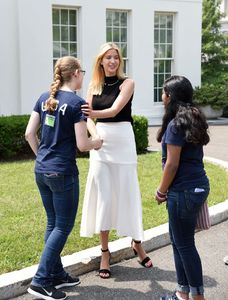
(145, 260)
(105, 271)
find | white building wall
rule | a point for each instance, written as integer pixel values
(10, 100)
(187, 50)
(188, 42)
(27, 50)
(224, 21)
(35, 50)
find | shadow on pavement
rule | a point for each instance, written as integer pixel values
(136, 284)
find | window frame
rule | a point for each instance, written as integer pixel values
(160, 76)
(120, 43)
(70, 42)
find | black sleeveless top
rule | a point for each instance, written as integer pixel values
(108, 96)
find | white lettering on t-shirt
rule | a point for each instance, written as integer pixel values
(63, 109)
(43, 106)
(44, 103)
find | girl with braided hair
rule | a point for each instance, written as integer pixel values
(63, 126)
(184, 184)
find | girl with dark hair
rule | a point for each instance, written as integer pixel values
(184, 184)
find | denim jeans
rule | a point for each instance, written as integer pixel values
(183, 207)
(60, 195)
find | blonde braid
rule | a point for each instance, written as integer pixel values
(64, 68)
(51, 103)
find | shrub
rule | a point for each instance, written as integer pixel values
(216, 77)
(14, 146)
(140, 127)
(12, 140)
(214, 95)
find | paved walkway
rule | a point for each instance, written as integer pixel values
(130, 281)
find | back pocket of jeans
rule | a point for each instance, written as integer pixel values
(194, 199)
(56, 183)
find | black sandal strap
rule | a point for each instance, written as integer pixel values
(146, 259)
(104, 250)
(104, 271)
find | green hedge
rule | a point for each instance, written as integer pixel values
(12, 142)
(140, 127)
(14, 146)
(214, 95)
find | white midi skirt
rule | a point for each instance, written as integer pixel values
(112, 197)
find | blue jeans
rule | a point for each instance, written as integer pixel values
(60, 195)
(182, 209)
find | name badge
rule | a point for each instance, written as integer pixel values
(50, 120)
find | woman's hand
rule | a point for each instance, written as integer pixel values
(98, 142)
(160, 197)
(87, 110)
(169, 172)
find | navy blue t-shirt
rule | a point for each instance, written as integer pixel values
(57, 148)
(190, 173)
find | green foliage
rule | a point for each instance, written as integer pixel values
(214, 89)
(210, 94)
(140, 127)
(14, 146)
(12, 141)
(214, 47)
(217, 76)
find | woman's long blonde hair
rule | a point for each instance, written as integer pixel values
(98, 75)
(64, 68)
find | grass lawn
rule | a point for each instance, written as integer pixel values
(23, 219)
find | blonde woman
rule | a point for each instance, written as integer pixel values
(58, 114)
(112, 196)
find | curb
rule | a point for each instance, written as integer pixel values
(15, 283)
(221, 163)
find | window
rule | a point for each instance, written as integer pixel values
(163, 51)
(116, 31)
(226, 7)
(65, 32)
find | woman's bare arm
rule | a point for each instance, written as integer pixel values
(31, 131)
(127, 89)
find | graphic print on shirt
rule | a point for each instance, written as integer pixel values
(62, 108)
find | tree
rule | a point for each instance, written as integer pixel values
(214, 47)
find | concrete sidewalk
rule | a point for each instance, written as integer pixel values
(130, 280)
